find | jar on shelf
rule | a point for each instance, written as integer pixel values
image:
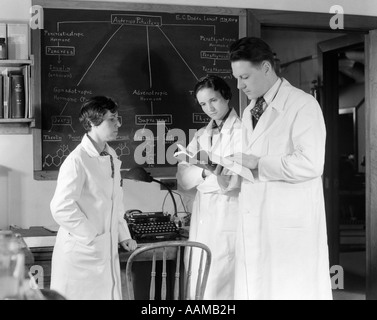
(3, 49)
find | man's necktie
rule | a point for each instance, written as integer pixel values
(257, 110)
(104, 153)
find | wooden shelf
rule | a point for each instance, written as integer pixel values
(16, 126)
(15, 63)
(21, 120)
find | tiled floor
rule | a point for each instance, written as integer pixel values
(354, 265)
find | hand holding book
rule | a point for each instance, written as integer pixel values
(200, 159)
(213, 161)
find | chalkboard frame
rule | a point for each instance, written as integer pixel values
(158, 172)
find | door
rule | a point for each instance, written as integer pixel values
(328, 53)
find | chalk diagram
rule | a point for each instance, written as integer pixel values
(57, 159)
(64, 52)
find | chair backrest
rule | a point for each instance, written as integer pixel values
(192, 262)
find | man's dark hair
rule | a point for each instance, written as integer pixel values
(251, 49)
(94, 109)
(216, 83)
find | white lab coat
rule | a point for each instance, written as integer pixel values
(282, 250)
(88, 206)
(215, 208)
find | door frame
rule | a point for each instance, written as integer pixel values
(371, 161)
(328, 78)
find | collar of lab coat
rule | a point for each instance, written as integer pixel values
(228, 122)
(206, 136)
(272, 114)
(271, 94)
(89, 147)
(278, 103)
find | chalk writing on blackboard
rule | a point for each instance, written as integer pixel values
(148, 62)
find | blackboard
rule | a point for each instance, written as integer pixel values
(148, 61)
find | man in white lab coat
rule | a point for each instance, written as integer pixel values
(88, 206)
(282, 250)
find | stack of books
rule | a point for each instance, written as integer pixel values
(15, 76)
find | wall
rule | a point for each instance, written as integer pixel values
(291, 45)
(368, 7)
(25, 202)
(19, 9)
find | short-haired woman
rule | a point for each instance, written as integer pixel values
(88, 206)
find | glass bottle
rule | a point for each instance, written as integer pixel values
(3, 49)
(12, 266)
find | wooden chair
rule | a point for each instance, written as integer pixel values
(175, 251)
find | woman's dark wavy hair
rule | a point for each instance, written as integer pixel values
(94, 109)
(216, 83)
(251, 49)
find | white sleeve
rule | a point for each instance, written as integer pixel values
(190, 176)
(306, 161)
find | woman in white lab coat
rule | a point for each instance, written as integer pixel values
(88, 206)
(282, 248)
(215, 208)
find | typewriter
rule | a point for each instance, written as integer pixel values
(151, 226)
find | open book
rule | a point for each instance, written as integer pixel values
(202, 159)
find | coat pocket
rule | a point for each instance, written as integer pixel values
(96, 252)
(290, 206)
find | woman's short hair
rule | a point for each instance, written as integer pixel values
(94, 109)
(216, 83)
(251, 49)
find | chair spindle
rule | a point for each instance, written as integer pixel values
(164, 275)
(152, 290)
(199, 278)
(177, 274)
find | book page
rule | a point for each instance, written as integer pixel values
(200, 159)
